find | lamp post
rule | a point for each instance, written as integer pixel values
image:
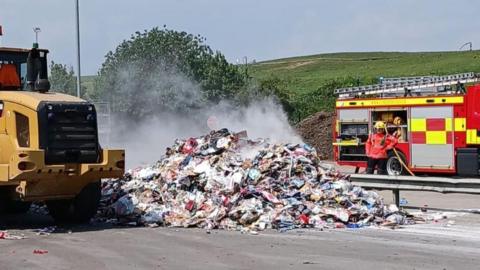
(78, 46)
(36, 30)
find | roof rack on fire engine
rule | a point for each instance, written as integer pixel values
(409, 85)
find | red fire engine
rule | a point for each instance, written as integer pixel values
(436, 120)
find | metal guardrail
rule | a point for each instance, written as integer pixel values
(415, 183)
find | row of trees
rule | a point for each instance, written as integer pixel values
(158, 70)
(62, 78)
(167, 70)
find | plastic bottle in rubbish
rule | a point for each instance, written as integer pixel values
(403, 202)
(353, 225)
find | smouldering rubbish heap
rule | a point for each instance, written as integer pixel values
(223, 180)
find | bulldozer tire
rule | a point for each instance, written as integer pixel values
(79, 209)
(17, 207)
(9, 205)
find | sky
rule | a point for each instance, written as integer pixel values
(258, 29)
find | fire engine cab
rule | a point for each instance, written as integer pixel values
(436, 121)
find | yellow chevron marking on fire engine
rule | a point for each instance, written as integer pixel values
(448, 124)
(436, 137)
(418, 124)
(460, 124)
(472, 137)
(346, 143)
(398, 102)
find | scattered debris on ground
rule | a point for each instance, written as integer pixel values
(8, 236)
(45, 231)
(316, 130)
(224, 180)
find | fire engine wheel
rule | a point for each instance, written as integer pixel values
(79, 209)
(394, 166)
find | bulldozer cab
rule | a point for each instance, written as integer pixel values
(49, 148)
(23, 69)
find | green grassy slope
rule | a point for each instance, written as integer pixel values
(307, 73)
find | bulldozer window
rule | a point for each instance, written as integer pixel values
(23, 75)
(23, 130)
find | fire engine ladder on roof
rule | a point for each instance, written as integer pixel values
(409, 85)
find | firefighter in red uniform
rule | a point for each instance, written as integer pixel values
(376, 148)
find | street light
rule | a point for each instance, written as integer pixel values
(78, 46)
(36, 30)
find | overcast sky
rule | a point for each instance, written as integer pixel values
(259, 29)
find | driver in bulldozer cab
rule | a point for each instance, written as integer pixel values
(376, 148)
(49, 148)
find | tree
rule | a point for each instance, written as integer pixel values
(163, 69)
(62, 79)
(322, 98)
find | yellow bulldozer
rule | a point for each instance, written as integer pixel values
(49, 147)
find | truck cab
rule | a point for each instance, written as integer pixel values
(49, 147)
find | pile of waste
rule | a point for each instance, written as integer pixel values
(224, 180)
(316, 130)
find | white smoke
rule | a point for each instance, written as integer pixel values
(145, 141)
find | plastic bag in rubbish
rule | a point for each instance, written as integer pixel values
(152, 216)
(125, 205)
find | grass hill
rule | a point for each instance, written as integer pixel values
(303, 79)
(309, 72)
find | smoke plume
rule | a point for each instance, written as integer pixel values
(145, 141)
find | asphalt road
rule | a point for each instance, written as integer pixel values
(438, 245)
